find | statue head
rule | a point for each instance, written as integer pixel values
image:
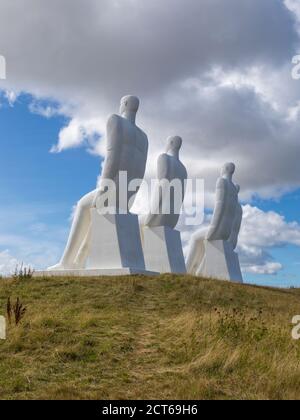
(174, 144)
(228, 170)
(129, 105)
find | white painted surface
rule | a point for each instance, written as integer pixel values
(126, 151)
(115, 242)
(220, 262)
(163, 250)
(211, 252)
(237, 223)
(169, 170)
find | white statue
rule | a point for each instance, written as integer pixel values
(225, 224)
(127, 150)
(237, 223)
(170, 169)
(161, 242)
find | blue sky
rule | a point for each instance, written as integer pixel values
(289, 256)
(38, 188)
(228, 92)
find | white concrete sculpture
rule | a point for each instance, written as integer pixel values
(212, 249)
(237, 223)
(102, 243)
(161, 242)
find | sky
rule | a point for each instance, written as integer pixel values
(218, 73)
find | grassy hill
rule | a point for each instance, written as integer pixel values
(149, 338)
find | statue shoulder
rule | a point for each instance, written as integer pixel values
(163, 158)
(143, 142)
(142, 133)
(114, 121)
(184, 170)
(222, 183)
(163, 166)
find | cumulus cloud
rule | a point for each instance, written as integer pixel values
(269, 268)
(7, 263)
(78, 132)
(271, 229)
(261, 231)
(222, 83)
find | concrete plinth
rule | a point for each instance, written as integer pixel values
(115, 243)
(220, 262)
(163, 250)
(115, 249)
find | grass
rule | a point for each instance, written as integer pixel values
(149, 338)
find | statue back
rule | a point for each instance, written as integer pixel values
(170, 169)
(236, 226)
(231, 202)
(227, 215)
(131, 145)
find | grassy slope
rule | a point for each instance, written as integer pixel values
(167, 337)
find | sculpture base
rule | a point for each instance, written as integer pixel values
(220, 262)
(93, 273)
(115, 243)
(163, 250)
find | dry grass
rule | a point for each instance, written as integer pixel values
(152, 338)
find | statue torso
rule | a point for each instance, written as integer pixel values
(169, 168)
(236, 226)
(131, 144)
(133, 147)
(230, 203)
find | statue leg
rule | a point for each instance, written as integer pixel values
(196, 252)
(79, 231)
(82, 256)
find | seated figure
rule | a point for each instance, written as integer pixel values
(162, 244)
(127, 150)
(226, 220)
(170, 172)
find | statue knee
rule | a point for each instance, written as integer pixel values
(82, 205)
(196, 239)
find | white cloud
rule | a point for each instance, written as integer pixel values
(269, 268)
(78, 132)
(11, 97)
(262, 231)
(267, 229)
(223, 84)
(294, 6)
(7, 263)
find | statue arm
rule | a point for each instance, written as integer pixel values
(113, 148)
(162, 167)
(236, 227)
(219, 209)
(113, 153)
(185, 182)
(162, 173)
